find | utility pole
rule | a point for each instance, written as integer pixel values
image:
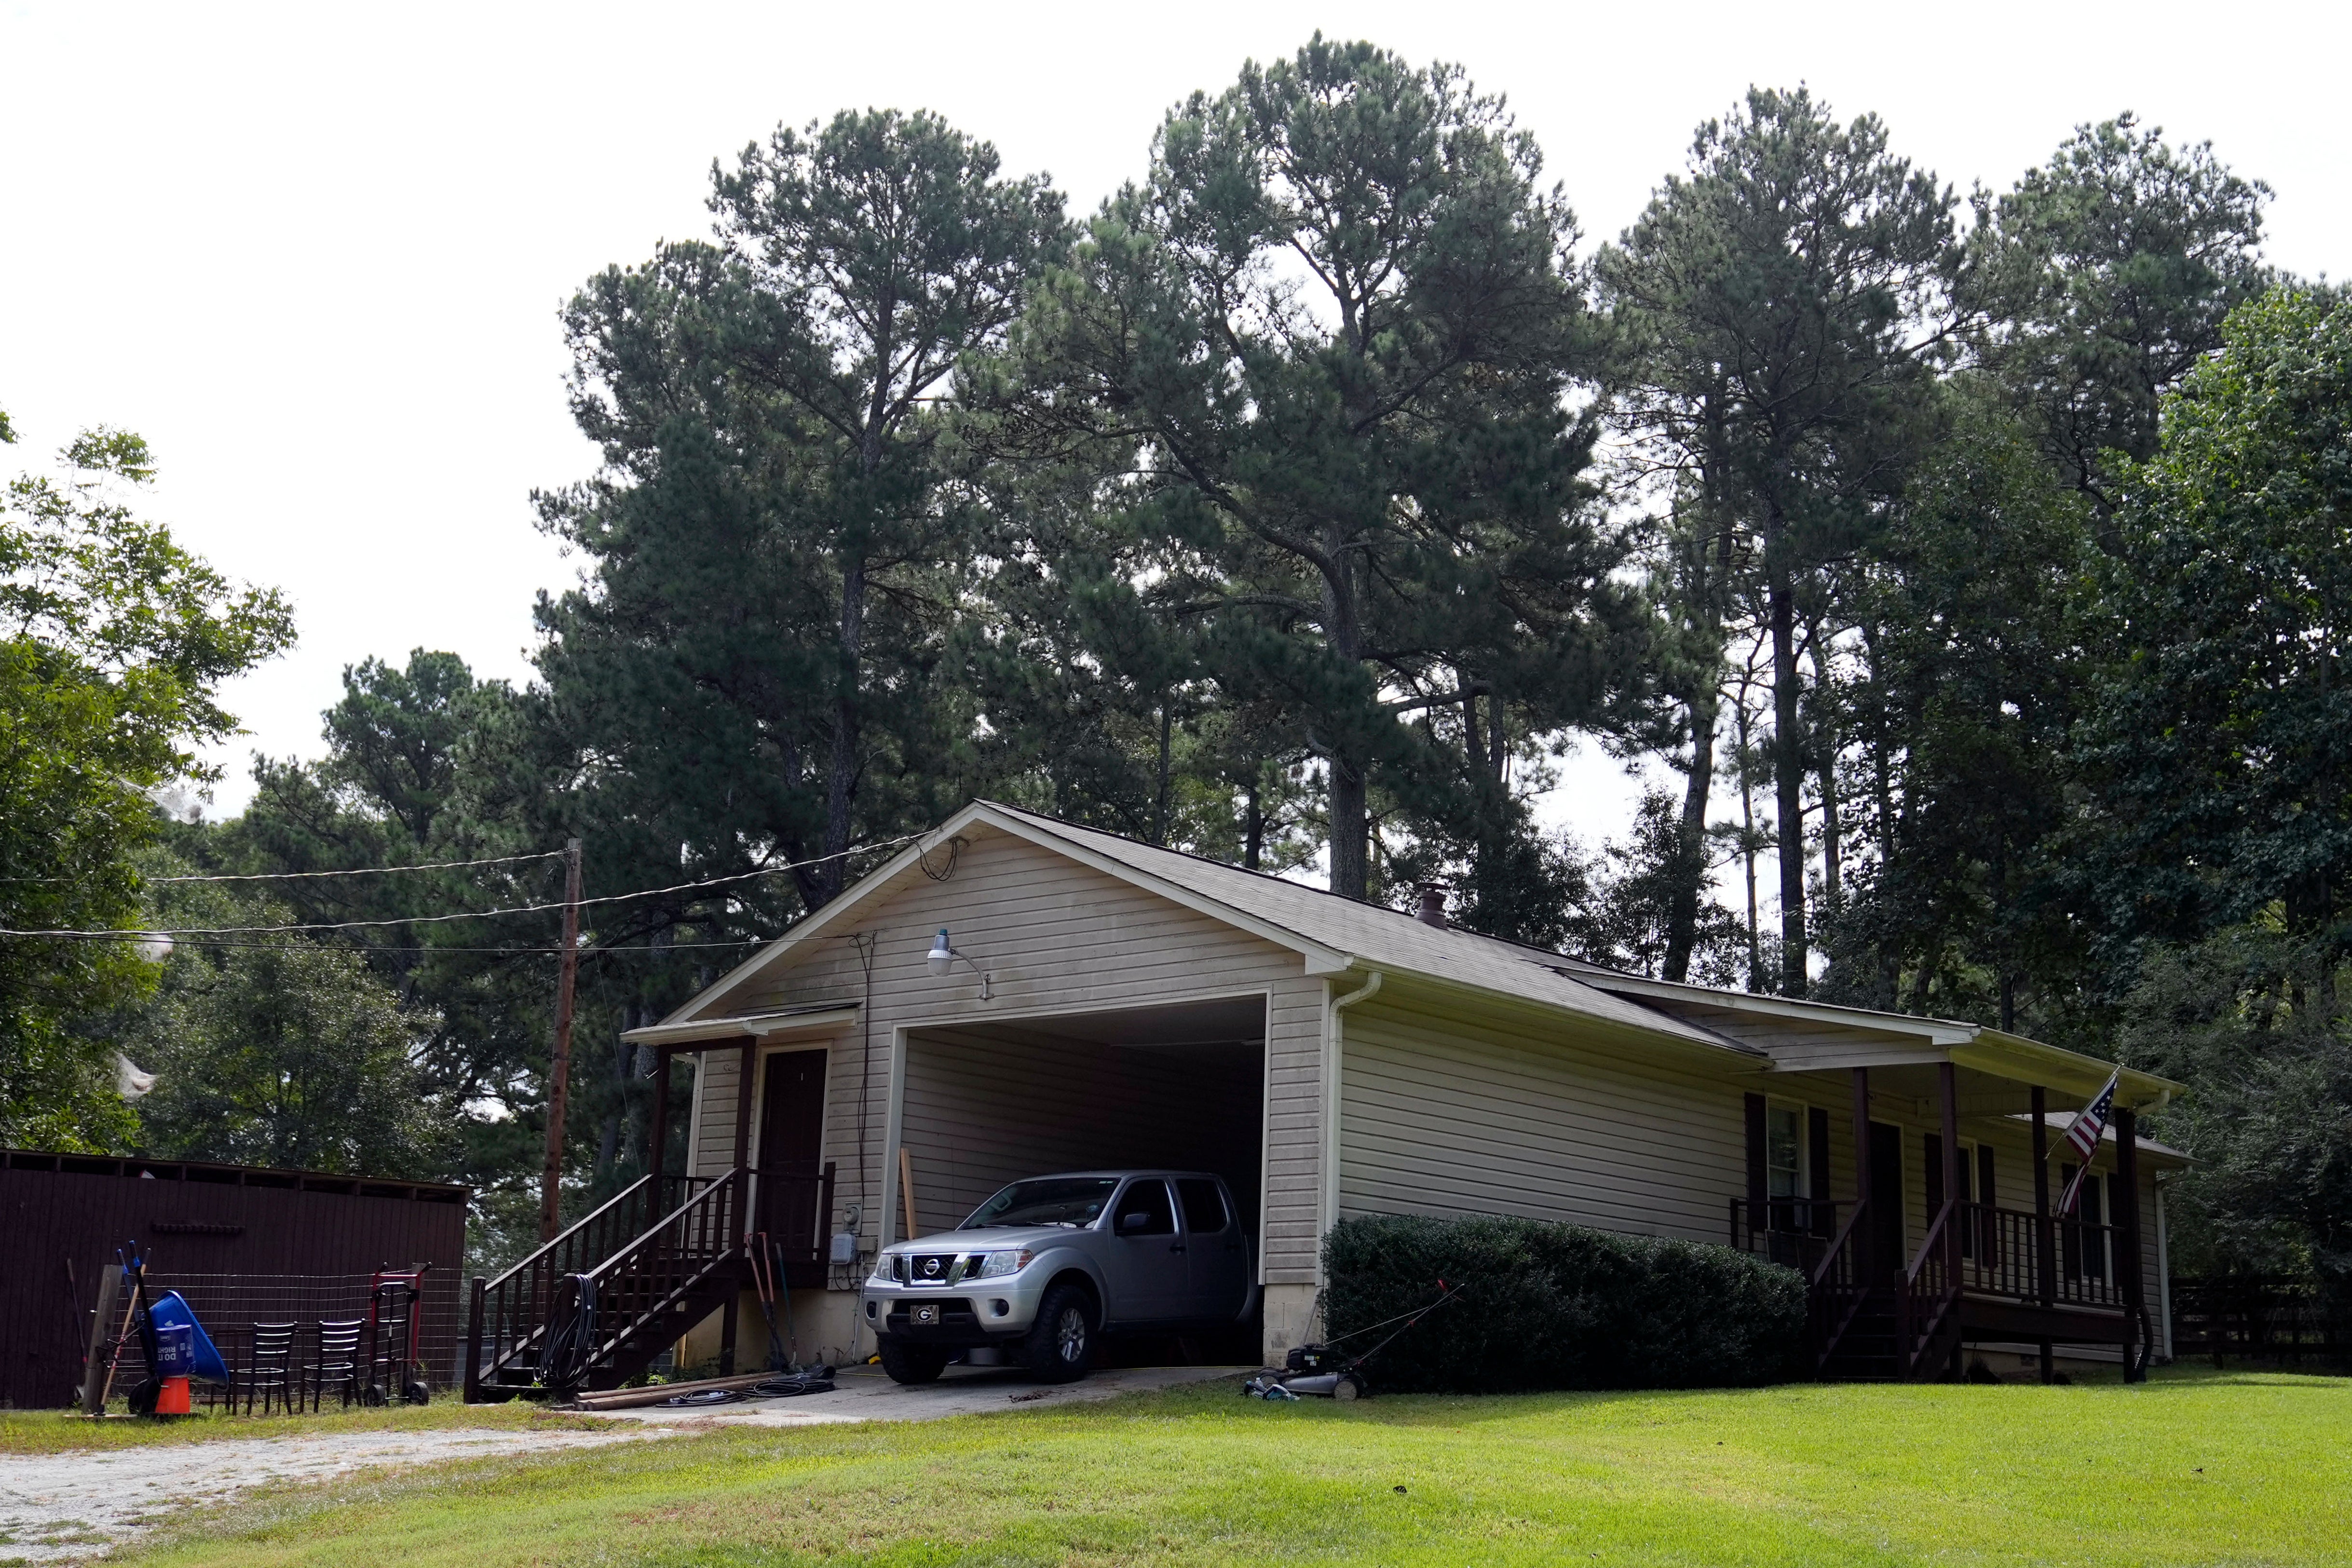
(558, 1070)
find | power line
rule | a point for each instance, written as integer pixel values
(305, 875)
(590, 951)
(464, 915)
(364, 870)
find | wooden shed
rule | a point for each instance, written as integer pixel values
(242, 1243)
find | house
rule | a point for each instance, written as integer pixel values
(1101, 1002)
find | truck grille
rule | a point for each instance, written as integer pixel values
(934, 1268)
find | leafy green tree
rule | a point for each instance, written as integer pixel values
(2218, 755)
(2270, 1115)
(1784, 308)
(1317, 361)
(878, 251)
(113, 644)
(1628, 913)
(2102, 278)
(418, 769)
(280, 1050)
(1969, 676)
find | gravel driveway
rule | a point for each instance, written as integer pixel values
(59, 1506)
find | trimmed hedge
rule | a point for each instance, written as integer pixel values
(1546, 1305)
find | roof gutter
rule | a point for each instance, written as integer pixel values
(1333, 1036)
(759, 1025)
(2017, 1056)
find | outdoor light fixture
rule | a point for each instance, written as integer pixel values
(943, 957)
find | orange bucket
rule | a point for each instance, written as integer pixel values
(172, 1398)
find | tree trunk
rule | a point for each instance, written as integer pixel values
(1825, 770)
(1789, 779)
(1351, 831)
(1252, 828)
(1747, 842)
(1690, 845)
(1159, 799)
(1350, 826)
(842, 772)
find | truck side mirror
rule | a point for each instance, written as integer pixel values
(1133, 1224)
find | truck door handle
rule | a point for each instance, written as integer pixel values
(1177, 1247)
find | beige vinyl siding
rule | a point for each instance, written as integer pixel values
(1057, 937)
(1442, 1115)
(982, 1112)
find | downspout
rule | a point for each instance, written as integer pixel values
(2163, 1269)
(1334, 1032)
(2163, 1245)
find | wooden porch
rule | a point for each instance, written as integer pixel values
(616, 1288)
(1878, 1309)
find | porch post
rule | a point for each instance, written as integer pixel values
(741, 1208)
(2128, 1231)
(2045, 1240)
(1864, 1227)
(657, 1140)
(1948, 1091)
(1758, 1180)
(743, 1101)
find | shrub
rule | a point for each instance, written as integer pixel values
(1546, 1305)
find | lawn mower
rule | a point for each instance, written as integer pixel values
(1320, 1371)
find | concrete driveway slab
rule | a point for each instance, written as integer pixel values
(866, 1394)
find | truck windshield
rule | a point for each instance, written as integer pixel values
(1048, 1201)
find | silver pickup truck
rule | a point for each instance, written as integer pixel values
(1049, 1264)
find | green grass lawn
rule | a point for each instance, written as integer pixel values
(2192, 1468)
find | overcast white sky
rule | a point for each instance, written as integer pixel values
(315, 253)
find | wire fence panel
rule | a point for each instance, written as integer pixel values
(230, 1305)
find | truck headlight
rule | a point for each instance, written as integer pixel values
(995, 1265)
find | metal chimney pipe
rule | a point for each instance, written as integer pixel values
(1433, 907)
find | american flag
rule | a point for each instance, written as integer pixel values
(2090, 1124)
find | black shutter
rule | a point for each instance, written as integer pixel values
(2070, 1229)
(1987, 1231)
(1756, 1183)
(1817, 1176)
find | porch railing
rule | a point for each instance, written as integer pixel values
(509, 1317)
(661, 1268)
(1797, 1232)
(2003, 1252)
(1838, 1286)
(1928, 1295)
(2030, 1257)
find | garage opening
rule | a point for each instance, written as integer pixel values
(1172, 1087)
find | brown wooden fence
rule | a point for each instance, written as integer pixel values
(2253, 1318)
(244, 1244)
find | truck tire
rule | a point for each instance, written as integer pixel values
(1061, 1343)
(910, 1362)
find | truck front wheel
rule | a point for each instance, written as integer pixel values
(1061, 1342)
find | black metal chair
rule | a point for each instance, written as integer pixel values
(337, 1359)
(269, 1369)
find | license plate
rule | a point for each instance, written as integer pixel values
(926, 1314)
